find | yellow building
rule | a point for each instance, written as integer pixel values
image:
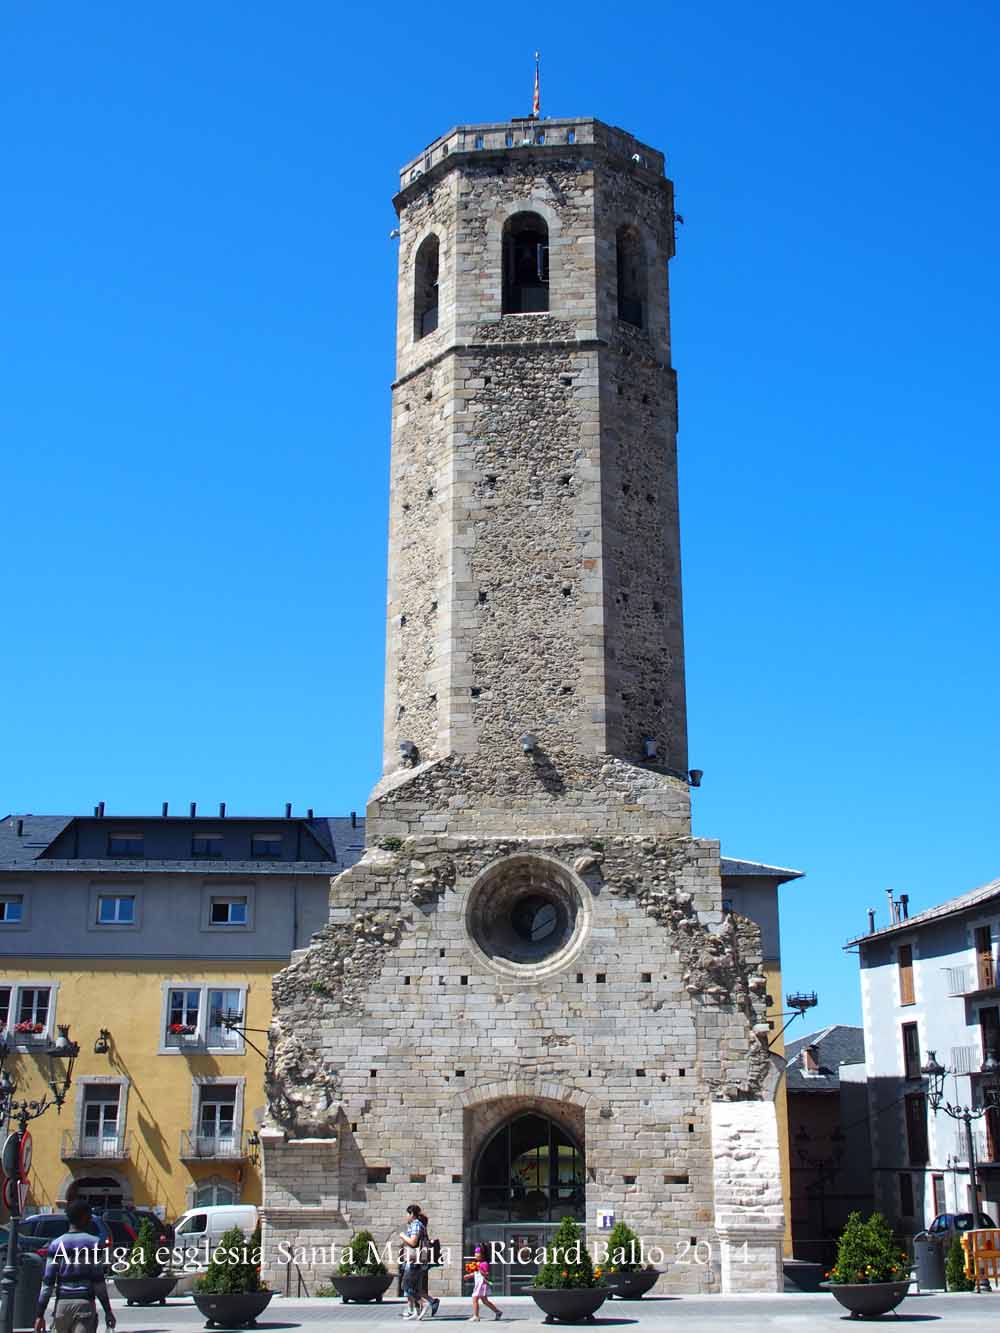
(155, 941)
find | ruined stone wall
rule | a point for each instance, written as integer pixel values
(650, 1019)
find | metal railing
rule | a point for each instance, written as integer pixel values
(213, 1147)
(966, 1059)
(80, 1147)
(959, 979)
(978, 1144)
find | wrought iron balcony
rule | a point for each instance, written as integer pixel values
(196, 1147)
(80, 1147)
(966, 1059)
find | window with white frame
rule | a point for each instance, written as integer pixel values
(214, 1194)
(11, 909)
(116, 909)
(6, 993)
(224, 1005)
(100, 1128)
(197, 1016)
(33, 1011)
(217, 1129)
(229, 911)
(183, 1013)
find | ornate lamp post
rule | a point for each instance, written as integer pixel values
(60, 1058)
(935, 1074)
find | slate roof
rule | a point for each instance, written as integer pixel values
(973, 898)
(343, 843)
(733, 866)
(838, 1045)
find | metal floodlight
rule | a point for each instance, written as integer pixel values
(408, 750)
(695, 776)
(649, 748)
(103, 1043)
(529, 743)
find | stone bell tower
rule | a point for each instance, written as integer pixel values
(534, 564)
(530, 1000)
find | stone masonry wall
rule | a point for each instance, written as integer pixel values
(414, 1036)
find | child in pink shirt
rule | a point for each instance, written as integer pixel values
(481, 1286)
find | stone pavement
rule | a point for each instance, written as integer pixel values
(734, 1314)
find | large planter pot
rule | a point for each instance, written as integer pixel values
(237, 1310)
(868, 1300)
(145, 1290)
(632, 1286)
(367, 1287)
(572, 1305)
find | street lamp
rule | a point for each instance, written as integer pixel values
(935, 1074)
(60, 1058)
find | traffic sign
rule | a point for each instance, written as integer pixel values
(9, 1159)
(24, 1156)
(9, 1194)
(22, 1195)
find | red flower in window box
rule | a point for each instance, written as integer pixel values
(180, 1030)
(29, 1029)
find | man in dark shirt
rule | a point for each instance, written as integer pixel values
(73, 1270)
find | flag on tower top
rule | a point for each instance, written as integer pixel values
(536, 106)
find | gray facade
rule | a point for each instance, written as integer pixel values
(55, 871)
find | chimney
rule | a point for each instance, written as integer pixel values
(904, 905)
(288, 809)
(810, 1059)
(309, 813)
(222, 809)
(893, 918)
(194, 809)
(99, 809)
(20, 828)
(163, 809)
(871, 921)
(354, 819)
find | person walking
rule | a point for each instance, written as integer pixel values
(416, 1257)
(76, 1275)
(481, 1286)
(431, 1261)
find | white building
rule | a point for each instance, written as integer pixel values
(930, 983)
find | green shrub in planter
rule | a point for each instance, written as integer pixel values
(624, 1250)
(867, 1252)
(235, 1266)
(954, 1267)
(142, 1261)
(568, 1264)
(361, 1258)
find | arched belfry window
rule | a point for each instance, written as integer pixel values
(525, 264)
(631, 278)
(425, 287)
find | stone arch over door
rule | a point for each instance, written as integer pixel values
(94, 1185)
(493, 1118)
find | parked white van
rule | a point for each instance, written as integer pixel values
(198, 1231)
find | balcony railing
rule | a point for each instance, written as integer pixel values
(970, 978)
(978, 1143)
(197, 1147)
(966, 1059)
(77, 1147)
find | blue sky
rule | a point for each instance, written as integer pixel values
(198, 294)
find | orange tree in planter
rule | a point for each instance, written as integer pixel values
(867, 1252)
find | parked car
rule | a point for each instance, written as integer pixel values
(164, 1230)
(35, 1232)
(948, 1225)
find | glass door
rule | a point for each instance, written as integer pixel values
(100, 1120)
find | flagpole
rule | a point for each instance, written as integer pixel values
(536, 106)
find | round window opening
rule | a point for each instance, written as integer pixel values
(527, 913)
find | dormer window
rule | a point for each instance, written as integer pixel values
(126, 844)
(525, 265)
(207, 847)
(11, 909)
(265, 846)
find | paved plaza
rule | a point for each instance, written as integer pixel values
(692, 1313)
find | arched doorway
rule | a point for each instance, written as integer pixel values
(528, 1175)
(98, 1191)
